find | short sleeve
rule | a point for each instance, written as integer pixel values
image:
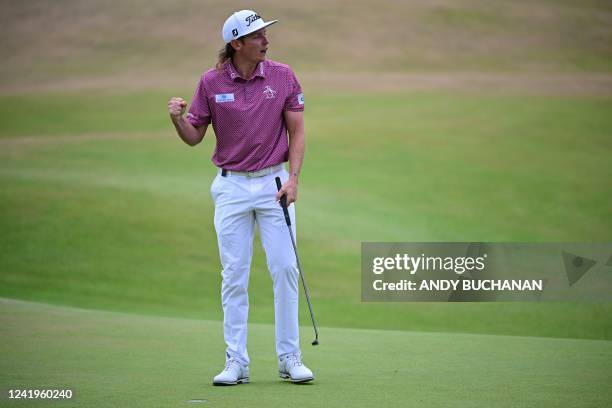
(295, 98)
(199, 111)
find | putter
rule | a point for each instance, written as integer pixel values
(283, 201)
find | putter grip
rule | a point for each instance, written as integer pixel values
(283, 201)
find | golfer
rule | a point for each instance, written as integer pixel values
(256, 109)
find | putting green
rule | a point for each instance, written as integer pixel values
(116, 359)
(474, 121)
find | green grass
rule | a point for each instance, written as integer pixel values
(108, 210)
(102, 207)
(113, 359)
(45, 42)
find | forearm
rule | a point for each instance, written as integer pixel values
(186, 131)
(297, 145)
(297, 142)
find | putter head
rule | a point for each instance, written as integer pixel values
(315, 343)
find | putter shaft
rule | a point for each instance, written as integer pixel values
(283, 201)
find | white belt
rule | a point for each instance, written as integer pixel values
(258, 173)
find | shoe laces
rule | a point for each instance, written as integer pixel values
(229, 363)
(294, 360)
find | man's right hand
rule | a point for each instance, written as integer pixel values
(176, 107)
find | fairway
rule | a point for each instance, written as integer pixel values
(115, 359)
(122, 220)
(444, 121)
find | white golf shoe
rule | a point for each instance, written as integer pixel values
(291, 367)
(233, 373)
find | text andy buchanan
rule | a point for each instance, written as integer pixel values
(477, 272)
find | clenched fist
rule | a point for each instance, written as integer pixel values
(176, 107)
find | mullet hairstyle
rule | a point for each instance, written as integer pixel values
(226, 53)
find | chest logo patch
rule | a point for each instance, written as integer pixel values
(221, 98)
(269, 92)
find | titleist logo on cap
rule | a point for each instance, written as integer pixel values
(252, 18)
(242, 23)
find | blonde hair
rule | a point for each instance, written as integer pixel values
(225, 53)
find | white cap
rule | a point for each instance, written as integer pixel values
(241, 23)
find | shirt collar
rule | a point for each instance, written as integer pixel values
(235, 75)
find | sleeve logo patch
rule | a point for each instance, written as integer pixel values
(222, 98)
(300, 99)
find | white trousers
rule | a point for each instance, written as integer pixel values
(241, 202)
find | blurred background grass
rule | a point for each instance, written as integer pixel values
(426, 121)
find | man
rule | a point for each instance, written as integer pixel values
(252, 103)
